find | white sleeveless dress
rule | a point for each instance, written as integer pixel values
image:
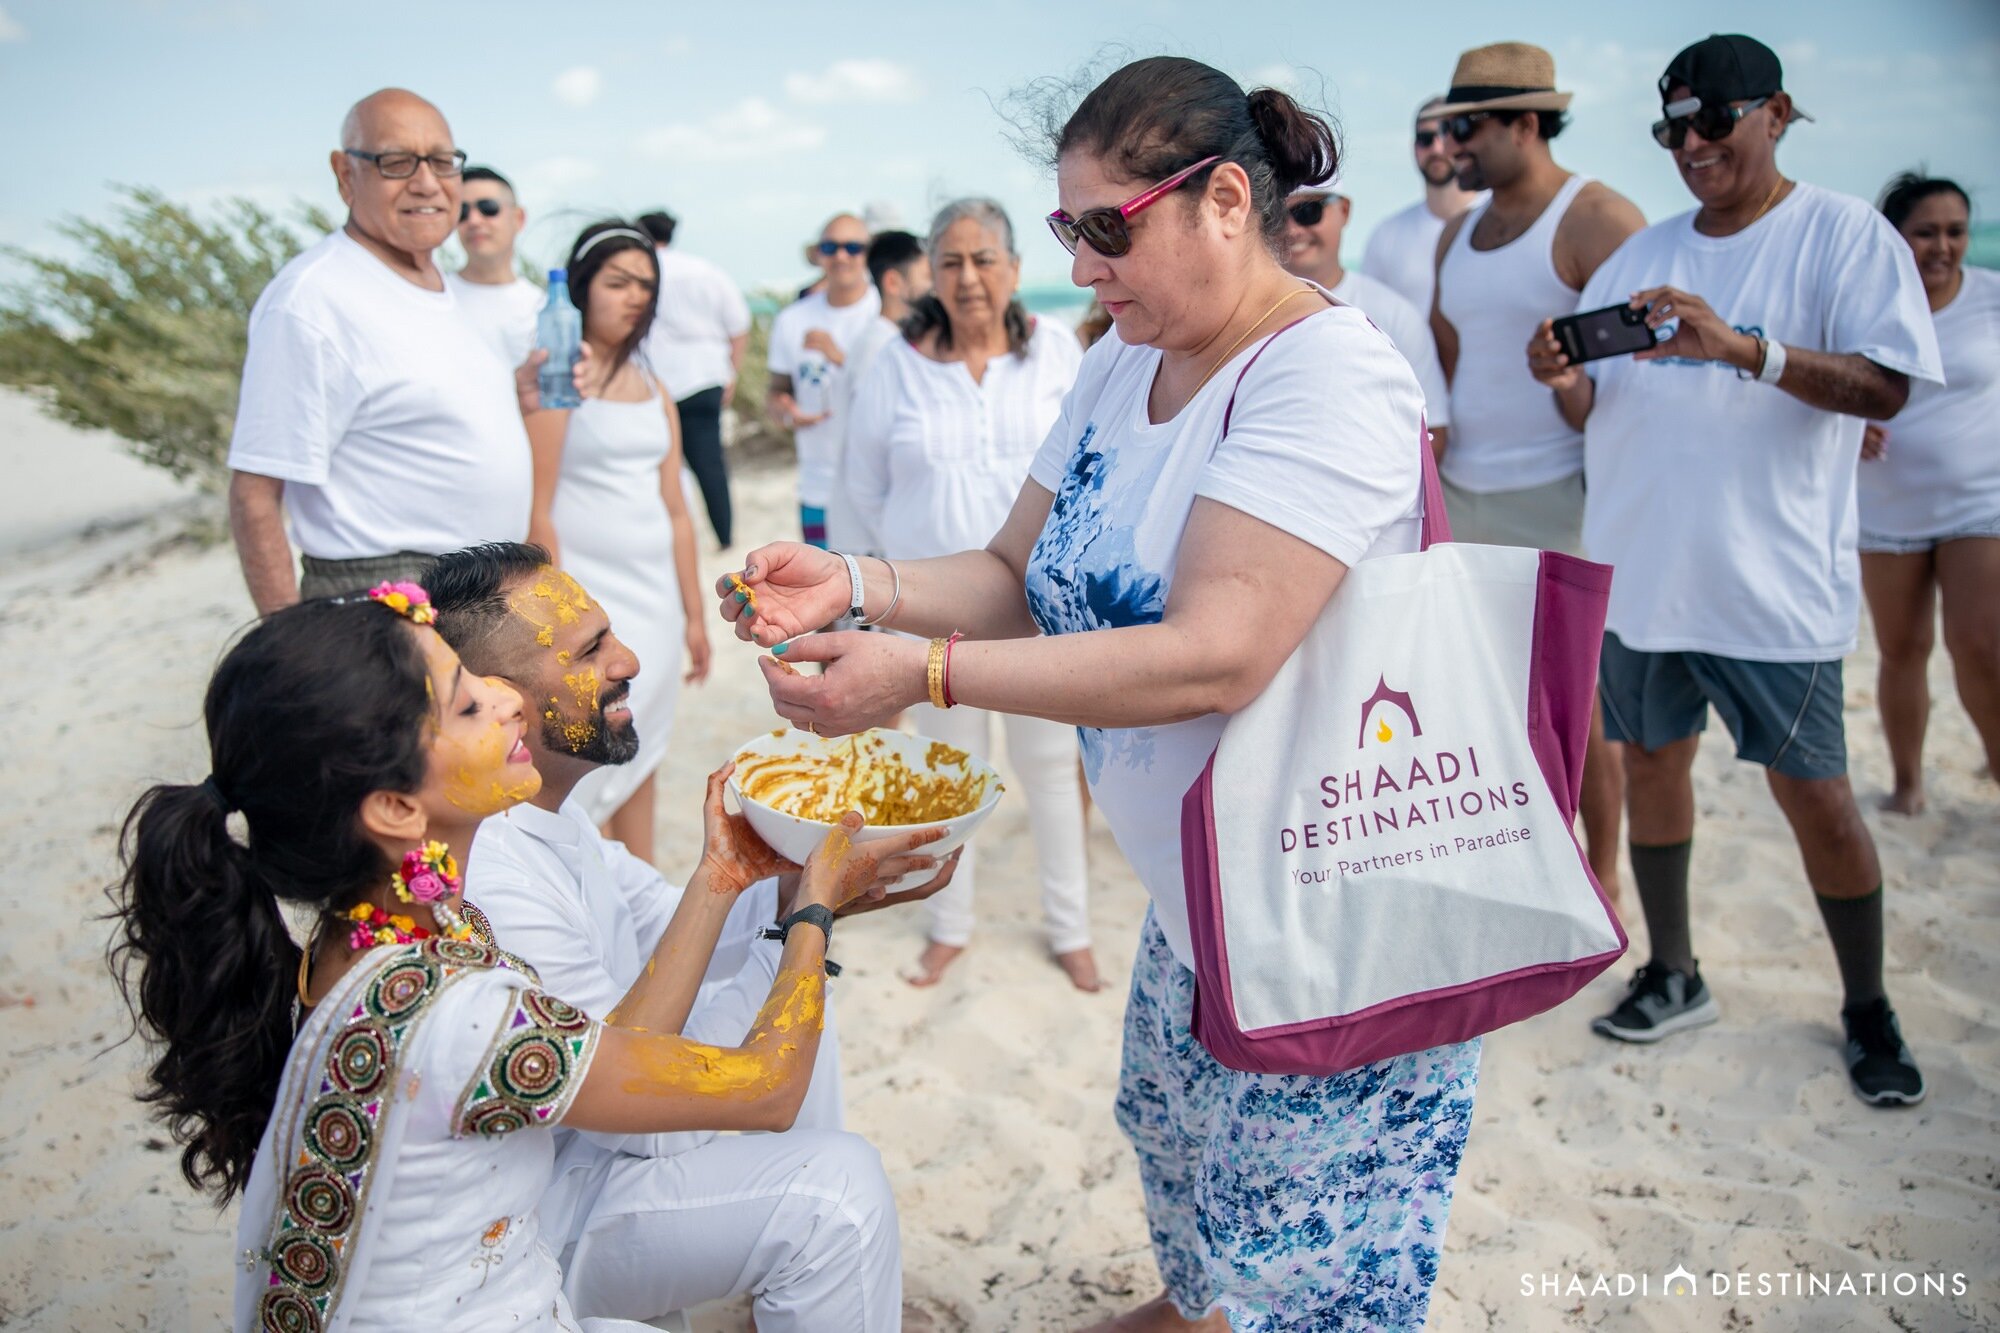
(618, 542)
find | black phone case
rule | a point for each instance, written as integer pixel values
(1592, 335)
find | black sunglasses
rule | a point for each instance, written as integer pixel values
(488, 208)
(1308, 212)
(832, 248)
(1425, 138)
(1461, 127)
(1713, 123)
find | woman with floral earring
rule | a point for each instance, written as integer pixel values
(382, 1099)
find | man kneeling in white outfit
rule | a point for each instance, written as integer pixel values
(660, 1222)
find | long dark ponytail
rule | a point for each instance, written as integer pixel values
(313, 709)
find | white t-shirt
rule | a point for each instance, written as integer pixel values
(845, 530)
(503, 313)
(814, 380)
(393, 426)
(1941, 473)
(700, 311)
(1324, 444)
(1409, 330)
(1727, 506)
(1402, 252)
(934, 461)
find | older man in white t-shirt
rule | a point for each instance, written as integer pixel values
(1722, 481)
(810, 340)
(1315, 219)
(371, 411)
(696, 348)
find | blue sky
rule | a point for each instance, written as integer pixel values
(753, 122)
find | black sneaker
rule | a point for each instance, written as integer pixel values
(1660, 1002)
(1881, 1067)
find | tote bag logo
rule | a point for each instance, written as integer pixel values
(1384, 733)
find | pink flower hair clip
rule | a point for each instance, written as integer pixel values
(408, 600)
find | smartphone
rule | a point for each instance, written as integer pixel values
(1592, 335)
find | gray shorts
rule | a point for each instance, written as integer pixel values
(1783, 715)
(332, 578)
(1875, 543)
(1547, 517)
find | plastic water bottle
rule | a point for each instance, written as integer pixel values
(559, 332)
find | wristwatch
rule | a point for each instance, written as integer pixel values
(812, 914)
(856, 593)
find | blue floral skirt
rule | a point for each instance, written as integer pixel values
(1290, 1202)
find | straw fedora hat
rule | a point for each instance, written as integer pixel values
(1506, 76)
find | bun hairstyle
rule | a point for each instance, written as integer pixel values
(1908, 189)
(317, 706)
(1155, 116)
(594, 247)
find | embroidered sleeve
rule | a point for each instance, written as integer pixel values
(535, 1067)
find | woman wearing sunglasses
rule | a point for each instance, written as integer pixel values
(1223, 459)
(943, 430)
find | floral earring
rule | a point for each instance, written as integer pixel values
(429, 874)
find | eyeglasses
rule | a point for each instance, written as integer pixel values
(1461, 127)
(1713, 123)
(1308, 212)
(1104, 229)
(488, 208)
(402, 166)
(1425, 138)
(850, 248)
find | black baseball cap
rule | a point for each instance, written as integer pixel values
(1727, 67)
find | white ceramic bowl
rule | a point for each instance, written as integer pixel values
(796, 839)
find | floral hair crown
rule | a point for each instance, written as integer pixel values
(408, 600)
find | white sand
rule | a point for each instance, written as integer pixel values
(1739, 1147)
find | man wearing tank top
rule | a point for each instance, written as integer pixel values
(1722, 468)
(1513, 471)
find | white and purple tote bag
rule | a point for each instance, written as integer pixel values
(1379, 856)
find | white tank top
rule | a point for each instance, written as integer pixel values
(1506, 432)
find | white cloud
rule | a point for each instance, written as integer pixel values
(751, 128)
(579, 86)
(11, 29)
(676, 46)
(560, 173)
(856, 81)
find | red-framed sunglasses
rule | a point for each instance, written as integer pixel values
(1104, 229)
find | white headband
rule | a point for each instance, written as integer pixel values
(607, 235)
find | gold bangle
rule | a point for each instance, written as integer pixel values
(935, 676)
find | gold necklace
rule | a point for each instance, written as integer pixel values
(1769, 199)
(305, 966)
(1224, 358)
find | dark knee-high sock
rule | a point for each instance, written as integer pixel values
(1855, 927)
(1661, 874)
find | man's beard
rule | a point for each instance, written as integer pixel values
(1450, 173)
(601, 743)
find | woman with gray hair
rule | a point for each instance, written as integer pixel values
(944, 427)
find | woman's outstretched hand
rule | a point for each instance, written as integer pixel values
(867, 679)
(732, 854)
(786, 589)
(843, 870)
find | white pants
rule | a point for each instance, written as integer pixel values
(804, 1219)
(1043, 755)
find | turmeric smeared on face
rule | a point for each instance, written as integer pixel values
(553, 600)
